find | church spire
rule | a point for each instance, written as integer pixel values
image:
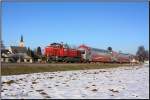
(21, 44)
(21, 39)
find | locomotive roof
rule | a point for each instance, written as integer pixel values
(55, 44)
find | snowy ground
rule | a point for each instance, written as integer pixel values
(112, 83)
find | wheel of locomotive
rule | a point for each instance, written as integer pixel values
(66, 60)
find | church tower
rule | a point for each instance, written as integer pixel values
(21, 44)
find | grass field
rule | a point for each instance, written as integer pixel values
(15, 69)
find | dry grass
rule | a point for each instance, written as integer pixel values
(34, 68)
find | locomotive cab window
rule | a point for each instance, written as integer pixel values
(83, 52)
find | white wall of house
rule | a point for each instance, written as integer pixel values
(31, 60)
(6, 59)
(2, 59)
(10, 49)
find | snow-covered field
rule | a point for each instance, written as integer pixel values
(113, 83)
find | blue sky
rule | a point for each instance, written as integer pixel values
(122, 25)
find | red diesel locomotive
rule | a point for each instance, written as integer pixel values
(61, 53)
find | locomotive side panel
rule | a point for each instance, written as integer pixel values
(59, 53)
(123, 58)
(95, 55)
(99, 55)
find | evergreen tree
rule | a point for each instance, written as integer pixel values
(39, 52)
(29, 52)
(35, 53)
(32, 53)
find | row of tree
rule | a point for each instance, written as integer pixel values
(36, 53)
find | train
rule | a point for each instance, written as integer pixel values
(57, 52)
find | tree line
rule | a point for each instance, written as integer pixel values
(36, 53)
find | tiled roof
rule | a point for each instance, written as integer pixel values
(21, 55)
(16, 49)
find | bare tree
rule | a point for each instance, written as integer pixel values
(146, 54)
(2, 45)
(141, 54)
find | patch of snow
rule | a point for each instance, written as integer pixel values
(146, 63)
(113, 83)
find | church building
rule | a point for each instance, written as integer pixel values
(20, 52)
